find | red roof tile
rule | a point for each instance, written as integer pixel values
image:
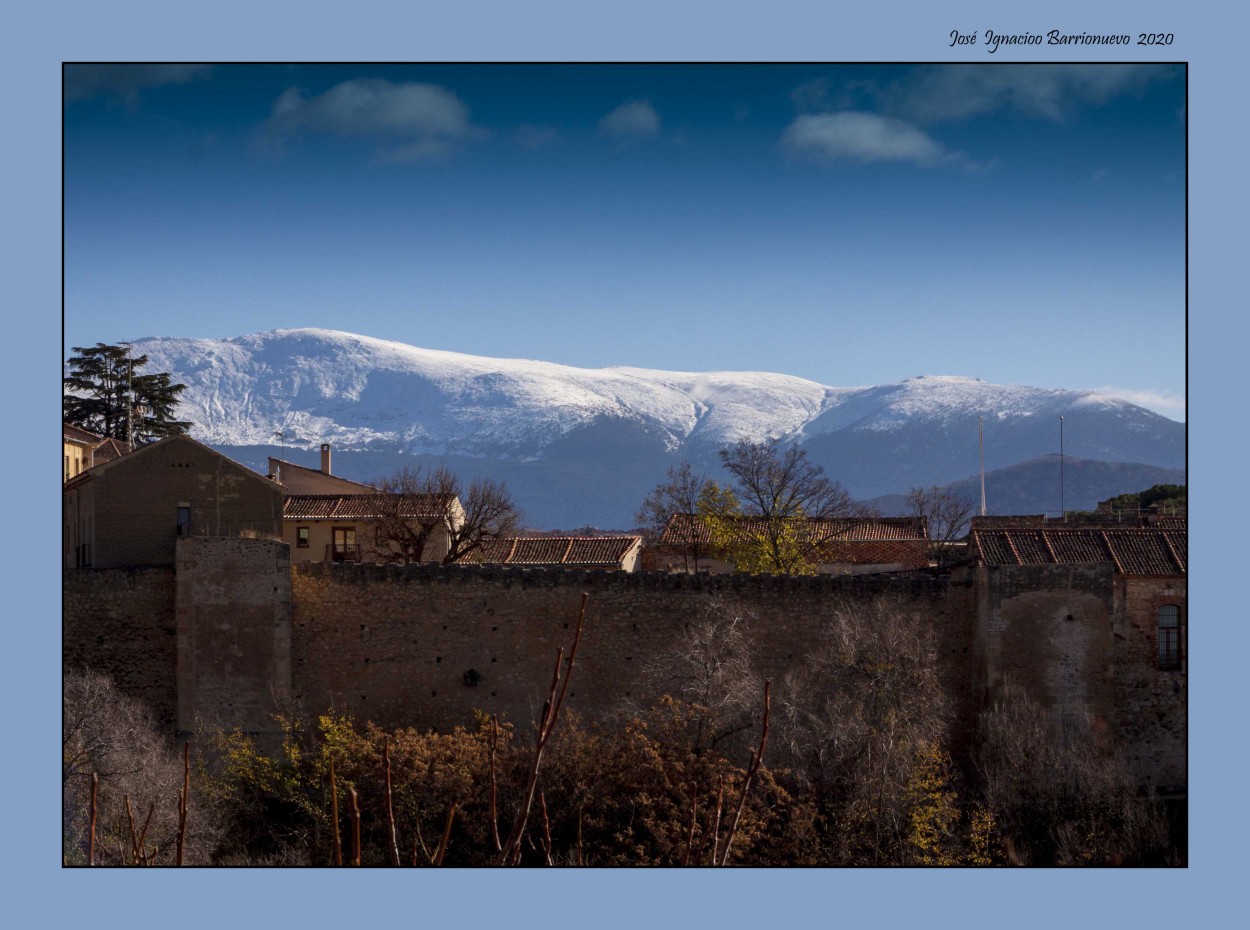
(359, 506)
(1133, 551)
(556, 550)
(78, 434)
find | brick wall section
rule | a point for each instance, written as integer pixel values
(121, 622)
(233, 608)
(1151, 703)
(393, 643)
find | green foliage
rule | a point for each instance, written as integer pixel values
(105, 383)
(1168, 496)
(756, 545)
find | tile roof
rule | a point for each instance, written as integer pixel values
(685, 528)
(78, 434)
(108, 450)
(556, 550)
(1133, 551)
(1009, 522)
(360, 506)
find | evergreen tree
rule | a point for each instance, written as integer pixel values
(104, 384)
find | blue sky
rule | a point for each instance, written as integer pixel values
(850, 224)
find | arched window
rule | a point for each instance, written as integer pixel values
(1169, 620)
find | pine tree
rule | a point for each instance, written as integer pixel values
(104, 385)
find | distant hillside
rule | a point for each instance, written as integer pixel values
(1033, 486)
(583, 446)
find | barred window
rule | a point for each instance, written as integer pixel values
(301, 537)
(1169, 620)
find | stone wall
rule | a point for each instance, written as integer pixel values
(120, 621)
(1079, 638)
(1048, 628)
(393, 644)
(233, 608)
(1151, 702)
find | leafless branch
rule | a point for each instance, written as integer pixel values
(551, 714)
(757, 759)
(334, 815)
(390, 807)
(494, 815)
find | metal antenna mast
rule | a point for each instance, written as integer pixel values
(1062, 509)
(130, 397)
(981, 440)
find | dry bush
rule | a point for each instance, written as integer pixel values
(116, 736)
(860, 724)
(711, 668)
(1059, 789)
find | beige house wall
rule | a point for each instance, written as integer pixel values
(75, 460)
(321, 537)
(300, 480)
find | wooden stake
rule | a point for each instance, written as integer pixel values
(182, 801)
(694, 813)
(354, 811)
(95, 787)
(542, 806)
(511, 852)
(134, 837)
(442, 846)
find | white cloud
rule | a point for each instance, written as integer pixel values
(631, 121)
(124, 81)
(864, 137)
(952, 92)
(1168, 404)
(416, 120)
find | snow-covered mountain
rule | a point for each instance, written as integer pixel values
(582, 445)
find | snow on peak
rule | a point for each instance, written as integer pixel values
(320, 385)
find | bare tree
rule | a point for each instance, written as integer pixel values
(712, 666)
(411, 507)
(109, 734)
(678, 493)
(489, 514)
(852, 718)
(423, 515)
(788, 508)
(1059, 788)
(945, 513)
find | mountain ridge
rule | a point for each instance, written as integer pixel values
(605, 435)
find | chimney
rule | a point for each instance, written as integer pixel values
(325, 458)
